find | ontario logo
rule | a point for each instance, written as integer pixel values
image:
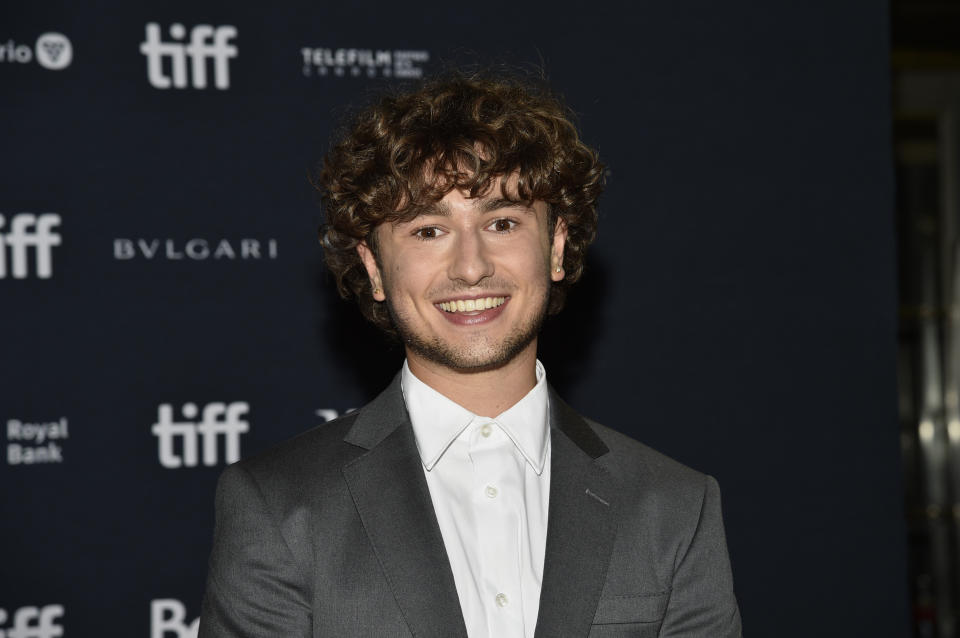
(51, 51)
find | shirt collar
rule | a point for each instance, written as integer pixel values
(438, 421)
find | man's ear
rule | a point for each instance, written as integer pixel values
(373, 270)
(558, 243)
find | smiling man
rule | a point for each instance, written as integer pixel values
(467, 499)
(467, 283)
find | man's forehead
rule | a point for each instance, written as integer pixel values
(479, 204)
(453, 179)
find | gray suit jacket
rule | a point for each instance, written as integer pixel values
(333, 533)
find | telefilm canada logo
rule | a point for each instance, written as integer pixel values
(36, 443)
(51, 51)
(368, 63)
(194, 249)
(20, 234)
(168, 619)
(32, 622)
(187, 442)
(167, 65)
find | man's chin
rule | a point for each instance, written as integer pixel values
(467, 362)
(473, 357)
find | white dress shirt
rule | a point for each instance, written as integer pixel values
(489, 481)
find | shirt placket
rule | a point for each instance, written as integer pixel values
(497, 499)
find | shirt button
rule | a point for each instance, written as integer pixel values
(491, 491)
(486, 430)
(502, 600)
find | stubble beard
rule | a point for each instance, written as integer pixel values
(483, 356)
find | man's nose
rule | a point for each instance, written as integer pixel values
(470, 262)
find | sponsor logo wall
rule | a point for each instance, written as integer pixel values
(165, 312)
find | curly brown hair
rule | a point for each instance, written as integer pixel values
(411, 148)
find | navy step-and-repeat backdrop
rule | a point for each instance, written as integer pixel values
(164, 309)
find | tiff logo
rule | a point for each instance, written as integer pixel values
(206, 42)
(218, 418)
(33, 622)
(168, 617)
(27, 230)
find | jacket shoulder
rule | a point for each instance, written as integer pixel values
(308, 458)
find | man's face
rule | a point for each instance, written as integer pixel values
(467, 283)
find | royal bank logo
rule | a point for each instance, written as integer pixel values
(32, 622)
(23, 232)
(36, 443)
(168, 619)
(193, 249)
(368, 63)
(187, 442)
(51, 51)
(167, 61)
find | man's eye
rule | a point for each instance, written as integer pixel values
(428, 232)
(503, 225)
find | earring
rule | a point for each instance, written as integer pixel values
(558, 268)
(376, 291)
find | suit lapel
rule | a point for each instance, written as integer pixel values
(393, 501)
(581, 526)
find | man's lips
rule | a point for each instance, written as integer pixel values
(484, 309)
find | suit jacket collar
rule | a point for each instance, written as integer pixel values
(379, 418)
(573, 426)
(393, 501)
(581, 525)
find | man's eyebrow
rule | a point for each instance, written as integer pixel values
(441, 209)
(497, 203)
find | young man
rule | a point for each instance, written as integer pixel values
(467, 499)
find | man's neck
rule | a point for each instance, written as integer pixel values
(486, 393)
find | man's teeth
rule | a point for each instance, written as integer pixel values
(472, 305)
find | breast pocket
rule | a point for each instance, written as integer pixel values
(638, 616)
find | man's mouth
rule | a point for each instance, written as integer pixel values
(471, 305)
